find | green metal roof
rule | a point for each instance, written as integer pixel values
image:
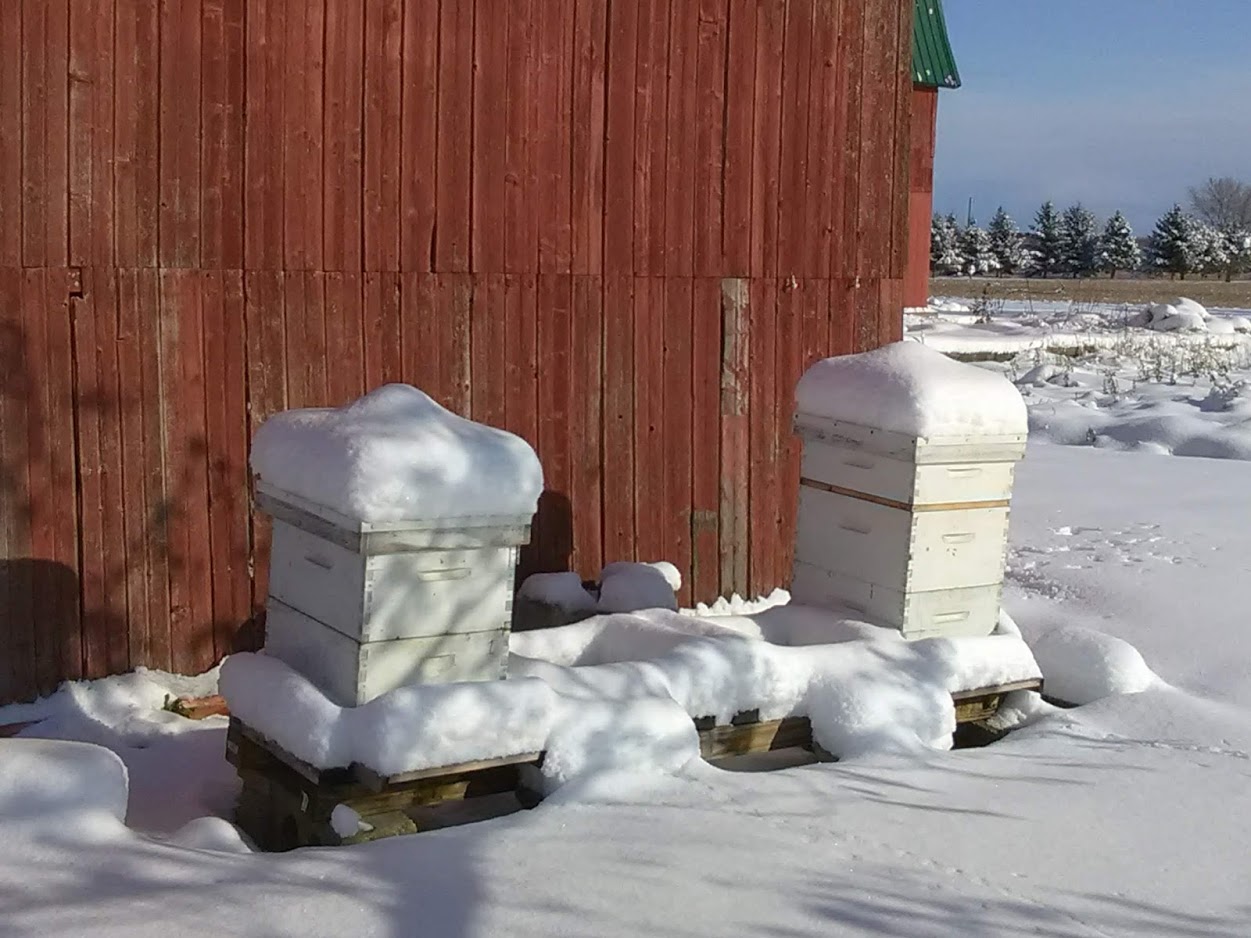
(933, 64)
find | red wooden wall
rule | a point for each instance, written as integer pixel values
(921, 200)
(619, 229)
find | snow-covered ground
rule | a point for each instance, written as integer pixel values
(1091, 378)
(1126, 816)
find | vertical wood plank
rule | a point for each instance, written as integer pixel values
(179, 128)
(618, 444)
(345, 381)
(793, 298)
(383, 342)
(620, 135)
(106, 402)
(263, 156)
(521, 194)
(157, 495)
(767, 136)
(39, 643)
(221, 142)
(681, 117)
(420, 333)
(554, 386)
(739, 364)
(264, 316)
(678, 391)
(740, 119)
(490, 127)
(877, 100)
(706, 353)
(766, 492)
(17, 672)
(55, 527)
(186, 471)
(850, 82)
(35, 117)
(589, 77)
(554, 135)
(455, 137)
(488, 350)
(586, 425)
(302, 137)
(295, 338)
(87, 400)
(226, 433)
(383, 47)
(521, 406)
(822, 142)
(651, 140)
(649, 449)
(90, 136)
(418, 141)
(793, 208)
(453, 312)
(12, 112)
(710, 122)
(343, 131)
(903, 137)
(56, 141)
(133, 448)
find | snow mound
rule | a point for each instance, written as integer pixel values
(397, 455)
(911, 389)
(58, 784)
(562, 590)
(629, 587)
(1081, 666)
(1047, 373)
(1179, 315)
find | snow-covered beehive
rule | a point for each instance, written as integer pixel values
(396, 530)
(908, 458)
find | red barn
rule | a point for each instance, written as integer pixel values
(621, 230)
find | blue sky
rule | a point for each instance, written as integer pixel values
(1114, 103)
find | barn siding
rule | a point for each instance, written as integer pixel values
(619, 230)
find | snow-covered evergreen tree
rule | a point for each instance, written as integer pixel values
(1006, 243)
(945, 257)
(1118, 248)
(1079, 241)
(1175, 246)
(1211, 248)
(977, 252)
(1048, 247)
(1238, 248)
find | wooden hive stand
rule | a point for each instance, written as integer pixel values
(287, 803)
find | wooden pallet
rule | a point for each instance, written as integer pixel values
(287, 803)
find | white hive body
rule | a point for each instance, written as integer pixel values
(361, 607)
(906, 521)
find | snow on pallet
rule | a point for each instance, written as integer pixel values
(285, 803)
(644, 693)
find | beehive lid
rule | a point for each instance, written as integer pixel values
(906, 399)
(395, 459)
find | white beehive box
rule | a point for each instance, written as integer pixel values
(900, 522)
(361, 608)
(396, 531)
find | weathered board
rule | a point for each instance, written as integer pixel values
(620, 230)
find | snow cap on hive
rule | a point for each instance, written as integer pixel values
(911, 389)
(396, 455)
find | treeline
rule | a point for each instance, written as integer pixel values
(1073, 243)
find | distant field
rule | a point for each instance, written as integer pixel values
(1212, 293)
